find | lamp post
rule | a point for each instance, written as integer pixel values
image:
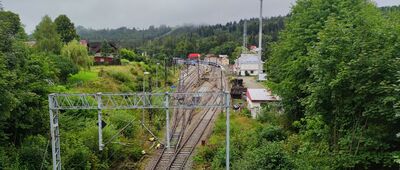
(144, 92)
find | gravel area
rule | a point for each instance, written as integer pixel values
(251, 82)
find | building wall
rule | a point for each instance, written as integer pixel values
(254, 108)
(249, 68)
(243, 73)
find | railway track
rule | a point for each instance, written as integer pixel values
(186, 131)
(182, 154)
(180, 122)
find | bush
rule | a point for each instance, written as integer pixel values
(65, 67)
(269, 156)
(124, 62)
(246, 112)
(32, 150)
(130, 55)
(122, 77)
(272, 133)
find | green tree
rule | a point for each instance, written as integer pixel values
(78, 54)
(66, 29)
(269, 156)
(9, 28)
(47, 38)
(106, 48)
(337, 61)
(127, 54)
(236, 53)
(65, 67)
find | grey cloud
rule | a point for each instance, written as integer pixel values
(143, 13)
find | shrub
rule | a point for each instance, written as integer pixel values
(272, 133)
(124, 61)
(65, 67)
(119, 76)
(246, 112)
(269, 156)
(32, 150)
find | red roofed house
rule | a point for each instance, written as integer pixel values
(95, 48)
(194, 56)
(255, 97)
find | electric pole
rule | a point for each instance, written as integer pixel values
(158, 64)
(144, 94)
(165, 73)
(260, 38)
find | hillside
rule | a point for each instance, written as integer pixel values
(127, 37)
(166, 41)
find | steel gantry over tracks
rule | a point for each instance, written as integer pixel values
(125, 101)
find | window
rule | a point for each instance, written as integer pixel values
(251, 72)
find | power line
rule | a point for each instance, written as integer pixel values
(124, 101)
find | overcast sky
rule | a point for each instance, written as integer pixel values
(143, 13)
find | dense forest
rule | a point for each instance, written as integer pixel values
(178, 42)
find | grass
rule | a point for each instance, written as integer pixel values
(117, 79)
(84, 76)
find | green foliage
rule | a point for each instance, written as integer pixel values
(178, 42)
(78, 54)
(24, 78)
(66, 29)
(335, 67)
(271, 134)
(9, 27)
(24, 92)
(124, 62)
(122, 77)
(106, 48)
(127, 54)
(83, 76)
(32, 152)
(269, 156)
(129, 37)
(46, 36)
(65, 67)
(236, 53)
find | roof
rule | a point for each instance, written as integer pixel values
(95, 47)
(253, 47)
(223, 56)
(261, 95)
(248, 59)
(194, 55)
(257, 94)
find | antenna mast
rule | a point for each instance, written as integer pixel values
(260, 34)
